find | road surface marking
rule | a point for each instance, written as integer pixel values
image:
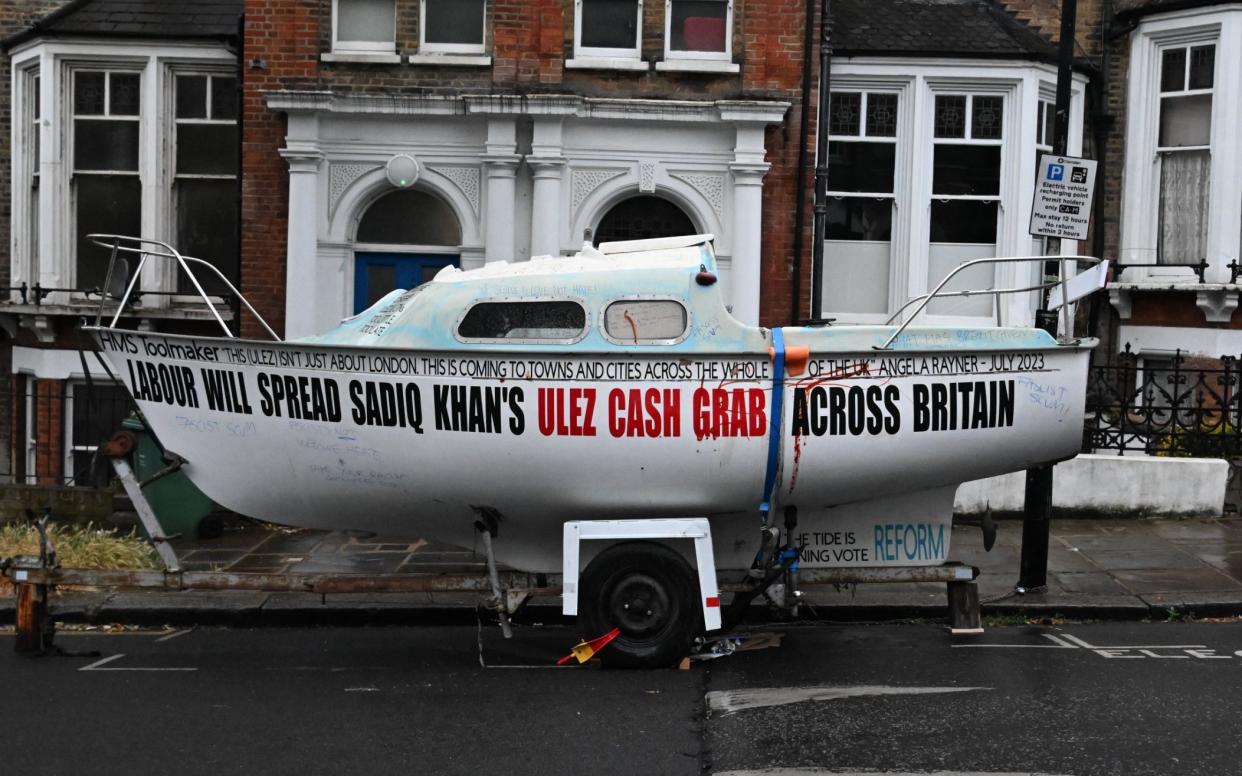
(729, 701)
(172, 636)
(99, 665)
(1082, 643)
(1120, 651)
(1058, 643)
(870, 772)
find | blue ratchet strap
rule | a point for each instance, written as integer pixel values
(774, 429)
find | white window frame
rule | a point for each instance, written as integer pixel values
(450, 48)
(362, 46)
(1187, 92)
(607, 58)
(697, 56)
(968, 139)
(864, 137)
(172, 136)
(1043, 130)
(1140, 197)
(71, 168)
(30, 426)
(68, 444)
(26, 165)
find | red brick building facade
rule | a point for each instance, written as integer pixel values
(526, 52)
(521, 126)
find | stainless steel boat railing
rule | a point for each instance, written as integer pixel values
(937, 293)
(145, 247)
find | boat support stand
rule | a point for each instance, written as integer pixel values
(487, 526)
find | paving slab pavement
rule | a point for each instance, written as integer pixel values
(1099, 569)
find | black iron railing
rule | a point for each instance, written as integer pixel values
(55, 427)
(1168, 406)
(1199, 268)
(37, 293)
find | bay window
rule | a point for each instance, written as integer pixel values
(1183, 164)
(928, 170)
(139, 144)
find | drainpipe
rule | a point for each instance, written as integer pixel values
(241, 144)
(1102, 123)
(821, 163)
(800, 186)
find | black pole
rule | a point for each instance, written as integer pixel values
(1102, 124)
(1037, 516)
(821, 162)
(804, 141)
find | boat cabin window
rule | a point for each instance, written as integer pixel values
(645, 321)
(554, 321)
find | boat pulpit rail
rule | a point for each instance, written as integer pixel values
(146, 247)
(1063, 262)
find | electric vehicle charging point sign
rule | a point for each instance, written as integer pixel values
(1064, 186)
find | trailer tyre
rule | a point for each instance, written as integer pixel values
(650, 593)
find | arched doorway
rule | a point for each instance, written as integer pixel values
(643, 217)
(404, 238)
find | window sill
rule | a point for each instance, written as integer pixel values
(606, 63)
(359, 57)
(697, 66)
(467, 60)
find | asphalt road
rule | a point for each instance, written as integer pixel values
(1078, 699)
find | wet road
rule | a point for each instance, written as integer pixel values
(1078, 699)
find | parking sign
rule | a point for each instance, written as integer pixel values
(1063, 191)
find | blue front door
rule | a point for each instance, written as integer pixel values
(375, 274)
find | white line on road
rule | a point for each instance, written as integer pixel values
(1085, 645)
(824, 772)
(1058, 644)
(172, 636)
(98, 665)
(729, 701)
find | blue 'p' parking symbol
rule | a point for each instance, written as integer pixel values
(1056, 172)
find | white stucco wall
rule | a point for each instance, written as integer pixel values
(1131, 485)
(523, 175)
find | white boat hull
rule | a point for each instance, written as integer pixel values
(872, 445)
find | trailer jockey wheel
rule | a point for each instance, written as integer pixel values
(650, 593)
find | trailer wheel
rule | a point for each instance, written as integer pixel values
(650, 593)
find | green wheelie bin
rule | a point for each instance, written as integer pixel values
(179, 506)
